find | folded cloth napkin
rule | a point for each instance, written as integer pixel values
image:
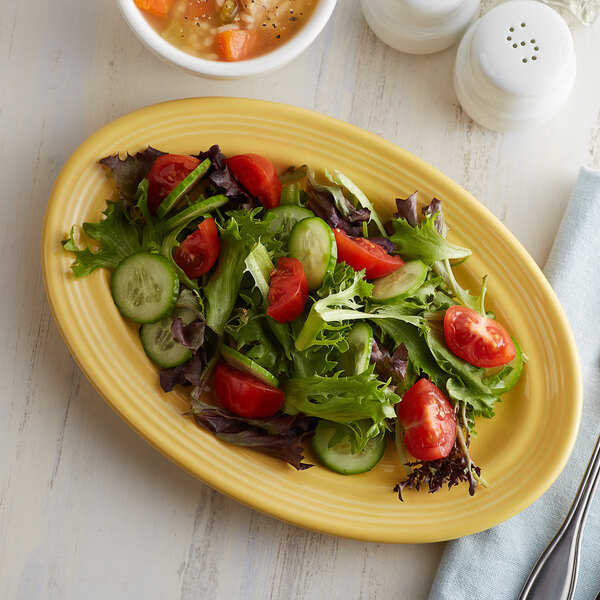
(495, 564)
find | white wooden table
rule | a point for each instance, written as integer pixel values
(87, 508)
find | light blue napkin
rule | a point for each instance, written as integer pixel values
(494, 564)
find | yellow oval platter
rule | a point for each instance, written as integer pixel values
(521, 451)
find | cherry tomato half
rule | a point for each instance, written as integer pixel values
(481, 341)
(166, 173)
(258, 176)
(360, 254)
(245, 395)
(288, 291)
(197, 254)
(428, 420)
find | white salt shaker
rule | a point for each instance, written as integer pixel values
(515, 67)
(420, 26)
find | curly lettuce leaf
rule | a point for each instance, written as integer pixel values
(344, 400)
(481, 403)
(425, 242)
(118, 238)
(334, 306)
(336, 309)
(319, 359)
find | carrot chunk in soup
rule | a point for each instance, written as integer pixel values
(159, 8)
(227, 29)
(234, 44)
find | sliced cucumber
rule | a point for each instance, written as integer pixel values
(144, 287)
(286, 217)
(195, 210)
(358, 356)
(312, 242)
(182, 188)
(158, 343)
(401, 283)
(339, 457)
(238, 361)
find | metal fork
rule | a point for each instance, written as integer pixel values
(555, 574)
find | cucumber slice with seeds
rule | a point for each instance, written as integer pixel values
(312, 242)
(401, 283)
(158, 343)
(182, 188)
(339, 457)
(144, 287)
(238, 361)
(286, 217)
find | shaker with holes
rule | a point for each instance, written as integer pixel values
(515, 67)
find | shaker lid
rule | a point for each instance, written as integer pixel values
(429, 9)
(420, 26)
(523, 47)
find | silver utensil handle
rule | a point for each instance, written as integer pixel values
(555, 574)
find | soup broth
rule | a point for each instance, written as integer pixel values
(227, 29)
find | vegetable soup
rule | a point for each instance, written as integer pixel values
(228, 30)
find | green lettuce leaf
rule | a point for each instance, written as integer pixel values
(481, 403)
(420, 358)
(425, 242)
(333, 312)
(252, 337)
(238, 236)
(466, 383)
(345, 400)
(118, 238)
(326, 313)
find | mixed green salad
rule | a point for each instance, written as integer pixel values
(307, 316)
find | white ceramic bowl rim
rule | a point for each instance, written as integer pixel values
(223, 69)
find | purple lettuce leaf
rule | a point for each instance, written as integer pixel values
(390, 365)
(435, 206)
(385, 243)
(192, 335)
(188, 373)
(323, 205)
(280, 436)
(222, 178)
(217, 158)
(451, 470)
(128, 172)
(406, 209)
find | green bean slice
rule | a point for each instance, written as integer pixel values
(228, 11)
